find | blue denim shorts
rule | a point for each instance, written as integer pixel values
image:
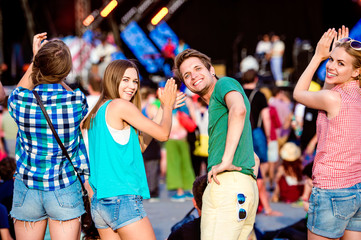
(34, 205)
(332, 211)
(117, 212)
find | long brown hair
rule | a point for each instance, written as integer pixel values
(52, 63)
(113, 75)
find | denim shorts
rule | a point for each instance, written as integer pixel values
(34, 205)
(332, 211)
(116, 212)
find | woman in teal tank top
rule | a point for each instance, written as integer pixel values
(118, 132)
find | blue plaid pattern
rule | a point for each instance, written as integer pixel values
(40, 161)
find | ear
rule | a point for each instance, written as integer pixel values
(213, 72)
(356, 73)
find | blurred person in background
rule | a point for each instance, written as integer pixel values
(180, 174)
(289, 184)
(276, 61)
(151, 155)
(192, 230)
(94, 89)
(7, 170)
(263, 51)
(10, 129)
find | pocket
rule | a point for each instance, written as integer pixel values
(69, 197)
(344, 207)
(110, 207)
(20, 191)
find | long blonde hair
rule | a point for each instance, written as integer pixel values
(113, 75)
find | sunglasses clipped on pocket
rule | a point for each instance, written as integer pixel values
(242, 213)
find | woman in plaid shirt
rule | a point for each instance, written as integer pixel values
(46, 187)
(335, 201)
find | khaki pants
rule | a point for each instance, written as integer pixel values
(220, 207)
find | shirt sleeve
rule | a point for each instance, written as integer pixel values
(262, 101)
(82, 100)
(224, 86)
(16, 101)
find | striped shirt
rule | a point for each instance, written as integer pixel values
(338, 157)
(40, 161)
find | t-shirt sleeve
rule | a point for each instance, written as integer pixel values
(262, 101)
(224, 86)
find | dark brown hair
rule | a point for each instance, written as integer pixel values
(293, 168)
(52, 63)
(7, 168)
(199, 185)
(249, 76)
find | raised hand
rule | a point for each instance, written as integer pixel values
(180, 100)
(323, 46)
(342, 33)
(167, 96)
(37, 44)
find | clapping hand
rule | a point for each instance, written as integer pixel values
(168, 94)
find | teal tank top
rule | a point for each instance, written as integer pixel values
(115, 169)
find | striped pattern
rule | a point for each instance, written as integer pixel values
(338, 157)
(40, 162)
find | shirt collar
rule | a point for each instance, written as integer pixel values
(56, 87)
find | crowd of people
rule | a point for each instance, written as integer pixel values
(232, 145)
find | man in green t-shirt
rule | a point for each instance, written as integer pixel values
(230, 200)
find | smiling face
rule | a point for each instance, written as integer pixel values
(339, 68)
(128, 86)
(197, 77)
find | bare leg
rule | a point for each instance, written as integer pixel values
(264, 167)
(271, 173)
(163, 163)
(139, 230)
(263, 197)
(30, 230)
(350, 235)
(312, 236)
(108, 234)
(180, 191)
(69, 230)
(5, 234)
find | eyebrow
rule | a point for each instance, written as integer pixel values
(198, 65)
(338, 60)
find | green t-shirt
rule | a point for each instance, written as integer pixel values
(218, 127)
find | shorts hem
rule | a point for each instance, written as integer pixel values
(272, 160)
(36, 220)
(322, 233)
(68, 218)
(129, 222)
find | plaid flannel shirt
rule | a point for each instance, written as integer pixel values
(40, 161)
